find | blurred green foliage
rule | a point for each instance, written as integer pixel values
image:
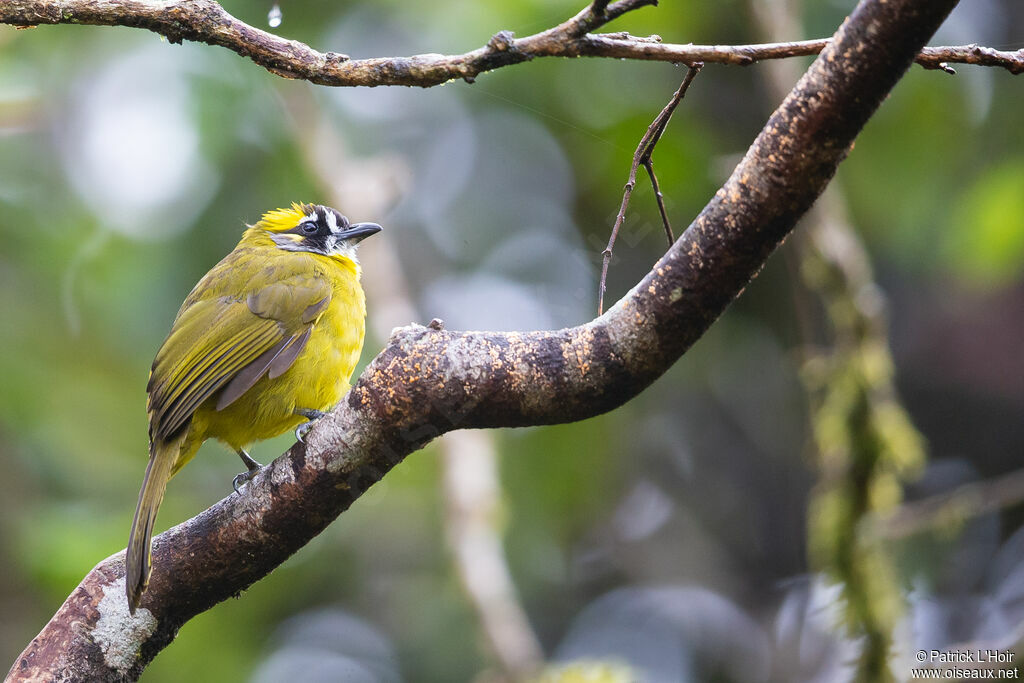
(988, 247)
(703, 480)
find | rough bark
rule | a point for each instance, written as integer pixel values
(428, 381)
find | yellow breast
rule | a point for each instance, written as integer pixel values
(319, 376)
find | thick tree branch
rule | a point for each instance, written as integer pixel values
(428, 380)
(205, 21)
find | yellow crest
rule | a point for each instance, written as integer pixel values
(280, 220)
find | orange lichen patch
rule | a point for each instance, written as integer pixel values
(579, 352)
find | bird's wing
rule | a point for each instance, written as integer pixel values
(228, 344)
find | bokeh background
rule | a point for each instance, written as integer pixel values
(669, 536)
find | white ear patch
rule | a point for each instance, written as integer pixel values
(287, 241)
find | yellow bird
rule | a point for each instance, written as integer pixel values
(267, 340)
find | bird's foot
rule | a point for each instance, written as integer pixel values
(312, 416)
(243, 478)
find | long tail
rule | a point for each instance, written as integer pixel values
(162, 457)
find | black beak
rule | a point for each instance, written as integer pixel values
(358, 232)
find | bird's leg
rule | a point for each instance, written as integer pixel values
(252, 468)
(311, 415)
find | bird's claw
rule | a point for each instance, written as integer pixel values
(243, 478)
(303, 429)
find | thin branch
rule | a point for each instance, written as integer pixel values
(624, 46)
(428, 381)
(942, 57)
(952, 507)
(205, 21)
(642, 156)
(660, 198)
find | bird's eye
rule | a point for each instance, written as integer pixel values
(309, 228)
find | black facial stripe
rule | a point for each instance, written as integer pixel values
(323, 240)
(316, 219)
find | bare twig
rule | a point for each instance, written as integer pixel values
(660, 198)
(942, 57)
(642, 156)
(206, 21)
(952, 507)
(631, 47)
(428, 381)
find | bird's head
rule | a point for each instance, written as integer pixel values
(313, 228)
